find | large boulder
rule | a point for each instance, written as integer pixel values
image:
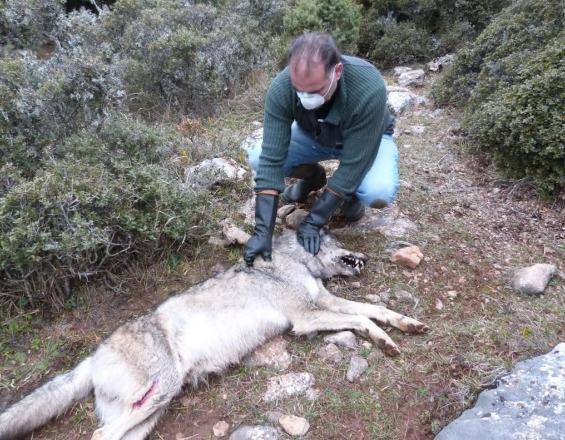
(526, 404)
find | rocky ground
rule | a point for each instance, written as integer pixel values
(473, 230)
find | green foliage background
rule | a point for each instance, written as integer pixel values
(511, 83)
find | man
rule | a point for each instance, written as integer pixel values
(322, 106)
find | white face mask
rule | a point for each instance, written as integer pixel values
(310, 101)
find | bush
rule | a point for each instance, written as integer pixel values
(398, 43)
(29, 23)
(179, 57)
(399, 31)
(511, 85)
(45, 101)
(99, 199)
(341, 18)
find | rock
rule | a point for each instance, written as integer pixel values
(272, 354)
(330, 353)
(248, 211)
(220, 429)
(294, 425)
(294, 219)
(288, 385)
(438, 304)
(404, 297)
(399, 102)
(409, 256)
(533, 279)
(213, 172)
(233, 234)
(357, 367)
(401, 69)
(387, 221)
(283, 211)
(390, 89)
(439, 63)
(255, 433)
(412, 78)
(273, 416)
(254, 138)
(375, 299)
(355, 284)
(526, 404)
(417, 129)
(312, 394)
(344, 339)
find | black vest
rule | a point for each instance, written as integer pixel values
(325, 132)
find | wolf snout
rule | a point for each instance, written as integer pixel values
(353, 261)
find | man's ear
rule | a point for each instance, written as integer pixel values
(338, 71)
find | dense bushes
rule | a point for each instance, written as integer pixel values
(400, 31)
(342, 18)
(83, 186)
(95, 199)
(511, 82)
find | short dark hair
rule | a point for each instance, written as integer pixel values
(315, 47)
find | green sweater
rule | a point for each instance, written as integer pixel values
(358, 112)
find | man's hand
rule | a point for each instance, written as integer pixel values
(308, 233)
(261, 242)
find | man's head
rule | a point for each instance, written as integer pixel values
(315, 66)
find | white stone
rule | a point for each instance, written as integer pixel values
(294, 425)
(212, 172)
(255, 433)
(272, 354)
(401, 69)
(357, 367)
(220, 429)
(330, 353)
(288, 385)
(533, 279)
(254, 138)
(344, 339)
(412, 78)
(399, 102)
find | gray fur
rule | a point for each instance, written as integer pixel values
(138, 370)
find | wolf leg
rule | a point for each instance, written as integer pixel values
(141, 431)
(381, 314)
(320, 320)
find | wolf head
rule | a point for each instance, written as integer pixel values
(332, 260)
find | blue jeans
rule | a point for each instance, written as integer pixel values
(378, 187)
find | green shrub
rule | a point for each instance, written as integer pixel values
(29, 23)
(398, 43)
(181, 58)
(521, 126)
(510, 82)
(341, 18)
(400, 31)
(43, 102)
(98, 199)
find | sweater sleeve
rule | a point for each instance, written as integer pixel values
(276, 134)
(361, 140)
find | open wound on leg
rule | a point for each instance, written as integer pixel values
(146, 396)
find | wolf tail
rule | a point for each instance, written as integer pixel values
(46, 402)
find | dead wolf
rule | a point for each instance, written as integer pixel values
(138, 370)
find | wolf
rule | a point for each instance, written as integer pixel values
(140, 368)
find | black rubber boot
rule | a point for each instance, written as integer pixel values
(353, 210)
(313, 177)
